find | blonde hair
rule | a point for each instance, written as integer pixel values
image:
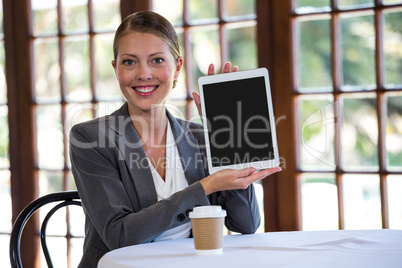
(152, 23)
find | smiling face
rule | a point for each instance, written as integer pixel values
(146, 69)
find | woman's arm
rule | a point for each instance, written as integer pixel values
(118, 217)
(237, 194)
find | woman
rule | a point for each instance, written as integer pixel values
(140, 171)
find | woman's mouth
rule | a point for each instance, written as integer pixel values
(145, 90)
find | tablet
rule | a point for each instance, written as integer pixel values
(238, 120)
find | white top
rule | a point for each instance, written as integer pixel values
(308, 249)
(174, 182)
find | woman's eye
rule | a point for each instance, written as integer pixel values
(158, 60)
(128, 62)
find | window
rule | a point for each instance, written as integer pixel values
(74, 81)
(347, 92)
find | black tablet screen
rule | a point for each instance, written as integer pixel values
(238, 121)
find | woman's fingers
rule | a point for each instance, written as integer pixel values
(249, 176)
(227, 67)
(262, 174)
(230, 179)
(211, 69)
(242, 173)
(197, 102)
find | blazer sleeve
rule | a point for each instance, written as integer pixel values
(243, 215)
(110, 207)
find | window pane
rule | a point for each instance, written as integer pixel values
(107, 86)
(392, 48)
(57, 224)
(203, 11)
(49, 137)
(306, 6)
(314, 55)
(319, 200)
(243, 47)
(50, 182)
(4, 140)
(77, 221)
(359, 132)
(394, 188)
(76, 251)
(362, 202)
(172, 10)
(355, 3)
(1, 19)
(393, 135)
(177, 108)
(47, 70)
(4, 250)
(193, 116)
(205, 50)
(180, 91)
(358, 52)
(259, 193)
(44, 15)
(71, 181)
(57, 249)
(106, 14)
(234, 8)
(75, 16)
(391, 1)
(3, 85)
(5, 199)
(316, 132)
(76, 113)
(106, 108)
(76, 66)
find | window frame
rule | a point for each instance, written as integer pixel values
(19, 45)
(283, 191)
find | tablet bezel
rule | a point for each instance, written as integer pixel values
(233, 76)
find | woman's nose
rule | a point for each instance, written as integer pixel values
(144, 72)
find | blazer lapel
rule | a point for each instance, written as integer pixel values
(131, 150)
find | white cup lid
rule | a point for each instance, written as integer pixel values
(207, 212)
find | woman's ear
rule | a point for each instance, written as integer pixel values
(179, 64)
(114, 67)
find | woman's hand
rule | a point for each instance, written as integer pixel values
(211, 71)
(230, 179)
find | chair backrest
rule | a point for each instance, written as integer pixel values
(64, 198)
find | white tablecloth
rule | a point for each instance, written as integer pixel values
(347, 248)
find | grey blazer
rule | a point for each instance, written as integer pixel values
(117, 190)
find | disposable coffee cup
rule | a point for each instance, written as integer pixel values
(207, 224)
